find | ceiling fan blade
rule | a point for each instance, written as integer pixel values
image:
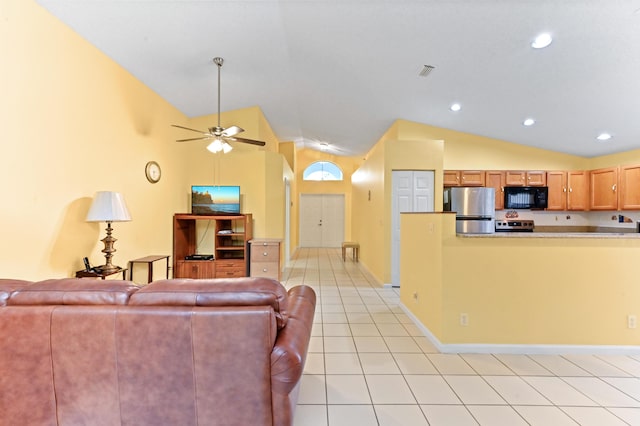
(193, 139)
(250, 141)
(187, 128)
(231, 131)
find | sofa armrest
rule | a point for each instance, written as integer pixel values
(290, 350)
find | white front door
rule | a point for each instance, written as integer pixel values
(321, 220)
(412, 191)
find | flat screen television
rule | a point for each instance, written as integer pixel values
(215, 200)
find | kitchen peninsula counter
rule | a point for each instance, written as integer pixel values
(520, 291)
(534, 234)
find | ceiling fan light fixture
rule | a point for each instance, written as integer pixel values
(215, 146)
(226, 148)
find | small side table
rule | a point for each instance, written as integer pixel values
(355, 250)
(93, 274)
(149, 261)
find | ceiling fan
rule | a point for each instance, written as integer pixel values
(221, 136)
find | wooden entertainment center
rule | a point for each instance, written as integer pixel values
(230, 246)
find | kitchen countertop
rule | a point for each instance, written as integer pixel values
(606, 235)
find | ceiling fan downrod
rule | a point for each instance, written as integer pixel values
(218, 61)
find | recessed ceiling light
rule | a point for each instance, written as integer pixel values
(604, 137)
(529, 122)
(455, 107)
(542, 41)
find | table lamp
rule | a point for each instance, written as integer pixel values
(108, 207)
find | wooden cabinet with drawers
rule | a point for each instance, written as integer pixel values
(230, 235)
(265, 258)
(230, 268)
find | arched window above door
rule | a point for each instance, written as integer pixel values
(322, 170)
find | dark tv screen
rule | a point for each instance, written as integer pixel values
(215, 200)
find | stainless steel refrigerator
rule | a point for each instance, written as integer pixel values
(475, 209)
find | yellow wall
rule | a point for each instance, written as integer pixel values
(303, 159)
(368, 208)
(465, 151)
(421, 283)
(532, 291)
(74, 123)
(622, 158)
(402, 147)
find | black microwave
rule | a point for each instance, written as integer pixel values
(526, 197)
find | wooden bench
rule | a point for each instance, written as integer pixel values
(355, 250)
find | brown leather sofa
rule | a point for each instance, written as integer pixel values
(175, 352)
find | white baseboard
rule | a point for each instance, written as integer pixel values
(519, 349)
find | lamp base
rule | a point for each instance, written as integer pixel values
(107, 269)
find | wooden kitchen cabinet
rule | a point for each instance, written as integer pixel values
(526, 178)
(463, 178)
(496, 180)
(451, 178)
(629, 194)
(558, 190)
(568, 190)
(578, 190)
(604, 189)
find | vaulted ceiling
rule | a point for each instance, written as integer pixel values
(341, 72)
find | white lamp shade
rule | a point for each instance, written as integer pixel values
(108, 206)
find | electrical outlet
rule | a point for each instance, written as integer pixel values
(464, 320)
(632, 321)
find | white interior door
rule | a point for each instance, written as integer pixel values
(321, 220)
(412, 191)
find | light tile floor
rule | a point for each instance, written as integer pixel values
(368, 364)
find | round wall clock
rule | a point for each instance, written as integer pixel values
(152, 171)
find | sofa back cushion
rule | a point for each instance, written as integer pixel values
(8, 286)
(74, 291)
(135, 365)
(217, 292)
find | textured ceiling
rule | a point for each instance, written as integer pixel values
(342, 71)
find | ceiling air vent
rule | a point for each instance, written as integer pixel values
(426, 70)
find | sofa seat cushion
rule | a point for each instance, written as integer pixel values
(8, 286)
(74, 291)
(217, 292)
